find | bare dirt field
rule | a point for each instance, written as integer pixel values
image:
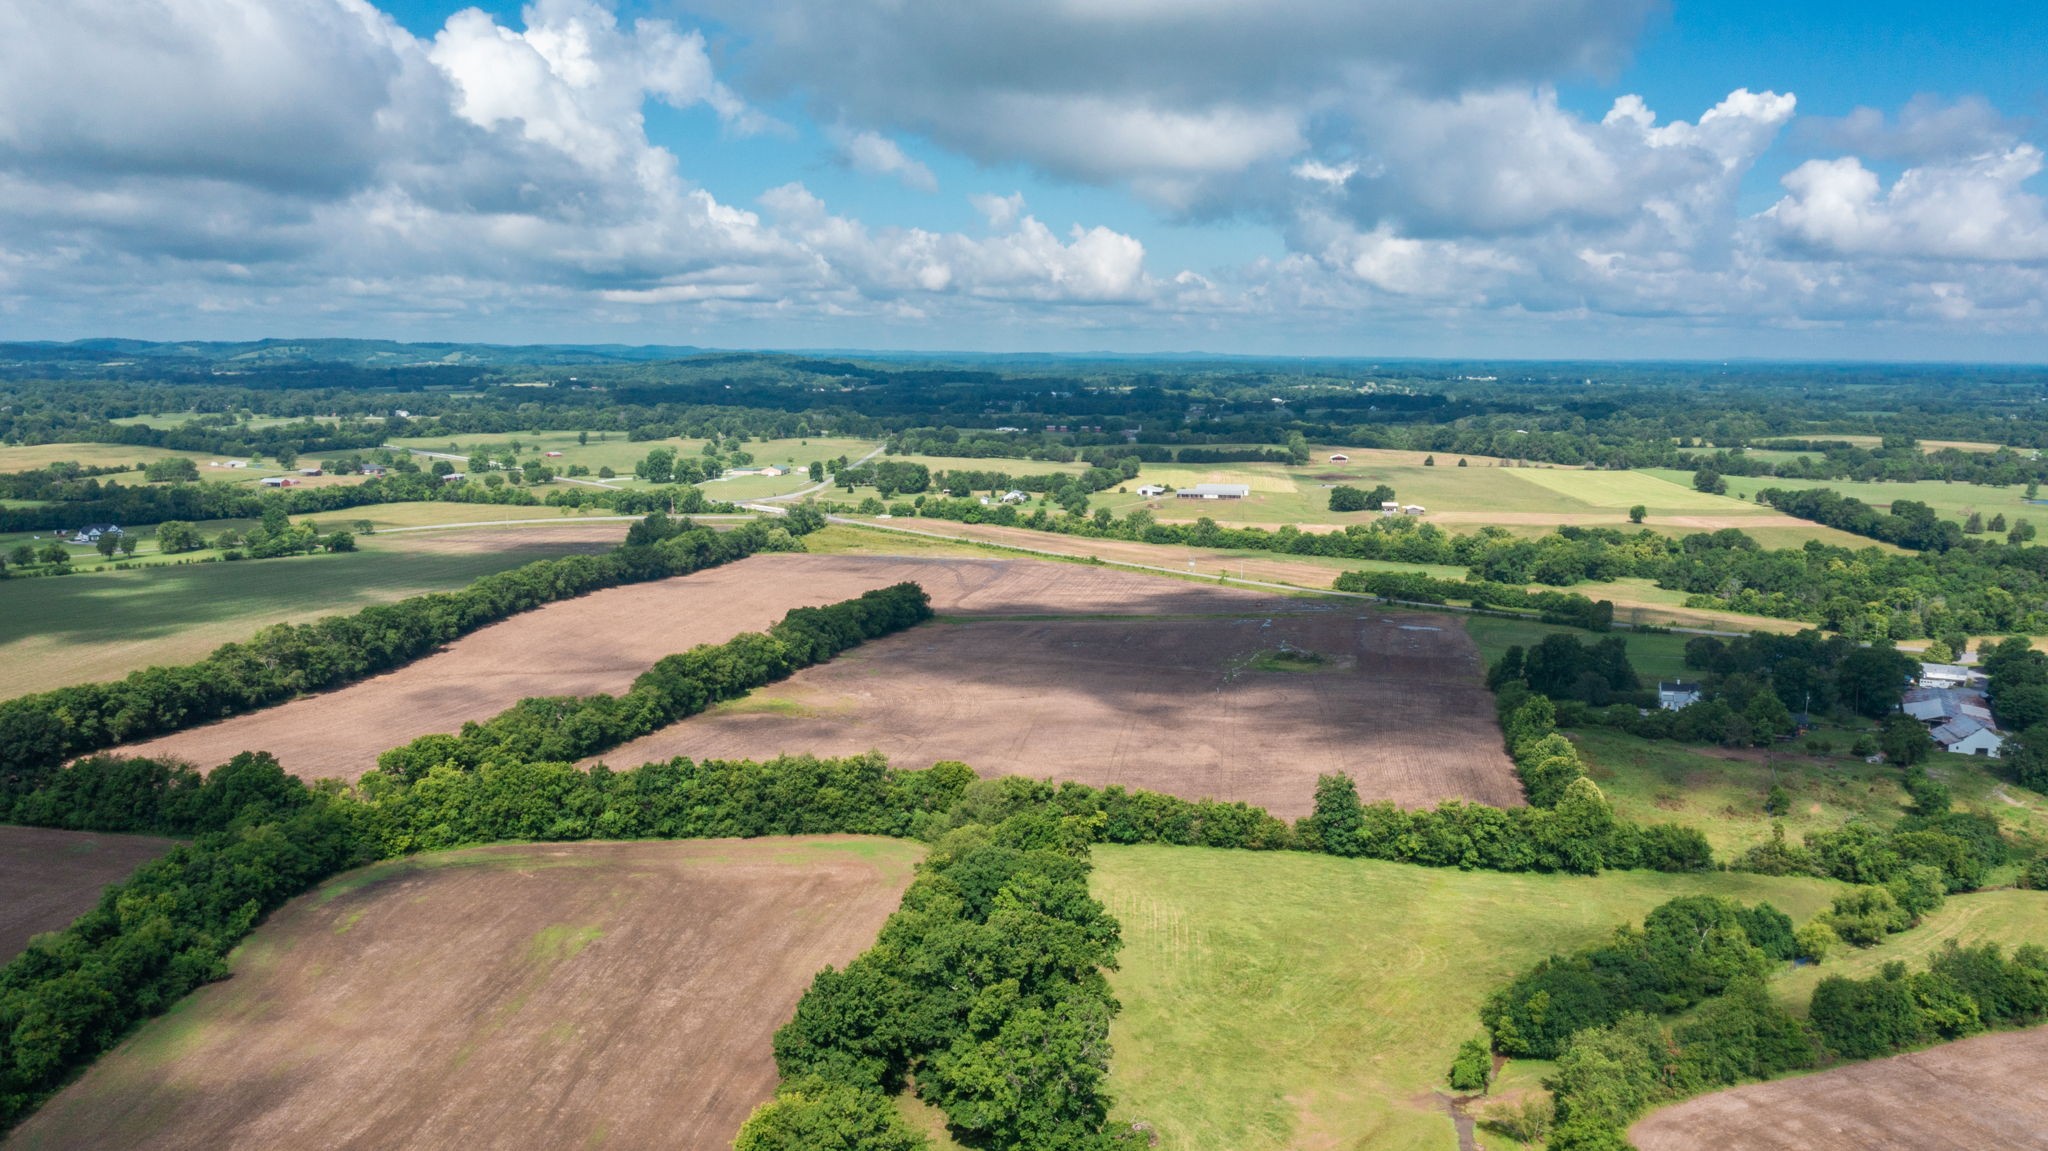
(600, 642)
(1302, 572)
(49, 878)
(557, 996)
(1183, 705)
(1980, 1093)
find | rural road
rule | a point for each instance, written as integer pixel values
(818, 487)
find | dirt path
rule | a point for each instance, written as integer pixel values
(573, 995)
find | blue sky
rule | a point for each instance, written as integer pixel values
(1553, 178)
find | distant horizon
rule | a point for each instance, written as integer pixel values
(1089, 354)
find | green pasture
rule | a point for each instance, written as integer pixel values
(2010, 917)
(1721, 791)
(1654, 656)
(27, 457)
(1289, 1000)
(60, 630)
(1950, 500)
(620, 454)
(979, 464)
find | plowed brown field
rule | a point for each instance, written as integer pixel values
(49, 878)
(1991, 1091)
(600, 642)
(1170, 704)
(561, 996)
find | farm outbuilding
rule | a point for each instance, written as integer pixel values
(1949, 675)
(1965, 735)
(1340, 458)
(1214, 492)
(1150, 490)
(1677, 695)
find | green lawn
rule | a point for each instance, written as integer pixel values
(1287, 1000)
(61, 630)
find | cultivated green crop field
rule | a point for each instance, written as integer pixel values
(1287, 1000)
(60, 630)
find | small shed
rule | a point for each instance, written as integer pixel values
(1340, 458)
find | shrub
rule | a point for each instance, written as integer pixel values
(1472, 1070)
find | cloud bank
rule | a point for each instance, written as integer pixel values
(310, 165)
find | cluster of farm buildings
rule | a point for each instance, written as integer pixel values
(1949, 698)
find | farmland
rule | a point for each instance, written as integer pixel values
(1721, 791)
(1525, 500)
(52, 877)
(1285, 1001)
(556, 996)
(102, 625)
(1635, 600)
(550, 651)
(1198, 707)
(1981, 1092)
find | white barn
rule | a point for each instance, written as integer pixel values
(1677, 695)
(1964, 735)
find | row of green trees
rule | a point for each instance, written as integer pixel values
(40, 731)
(985, 990)
(1567, 608)
(1608, 1075)
(568, 728)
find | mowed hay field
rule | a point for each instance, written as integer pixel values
(602, 641)
(1987, 1092)
(572, 995)
(49, 878)
(1284, 1001)
(1192, 706)
(62, 630)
